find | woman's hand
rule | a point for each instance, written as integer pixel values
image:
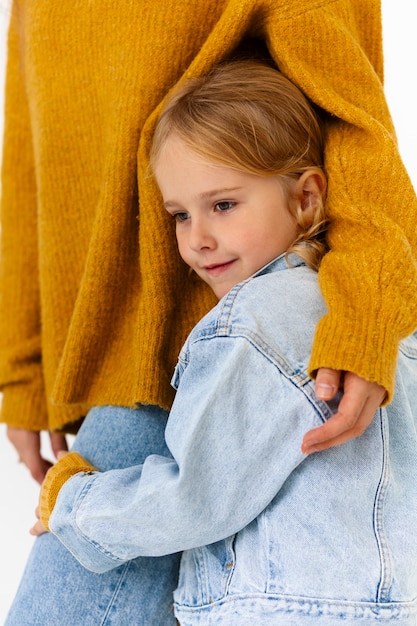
(28, 447)
(357, 408)
(38, 528)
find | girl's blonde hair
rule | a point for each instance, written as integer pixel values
(247, 116)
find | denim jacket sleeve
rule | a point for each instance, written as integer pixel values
(234, 438)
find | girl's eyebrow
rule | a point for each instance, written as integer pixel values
(169, 204)
(207, 195)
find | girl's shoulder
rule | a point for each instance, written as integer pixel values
(276, 311)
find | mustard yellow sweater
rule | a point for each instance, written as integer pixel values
(95, 302)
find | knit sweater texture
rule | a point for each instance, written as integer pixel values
(67, 466)
(95, 301)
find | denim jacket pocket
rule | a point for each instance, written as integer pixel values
(205, 573)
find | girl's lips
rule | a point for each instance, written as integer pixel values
(218, 268)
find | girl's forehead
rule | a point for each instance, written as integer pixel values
(178, 154)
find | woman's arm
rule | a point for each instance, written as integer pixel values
(23, 405)
(356, 410)
(333, 51)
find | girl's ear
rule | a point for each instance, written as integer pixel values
(311, 189)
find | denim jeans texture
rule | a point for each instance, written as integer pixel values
(56, 590)
(269, 536)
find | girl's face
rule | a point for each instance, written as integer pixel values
(229, 224)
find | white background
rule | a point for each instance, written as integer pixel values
(18, 492)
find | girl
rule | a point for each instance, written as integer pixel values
(270, 536)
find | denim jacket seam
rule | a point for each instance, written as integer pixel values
(231, 563)
(386, 575)
(302, 605)
(299, 378)
(202, 588)
(223, 321)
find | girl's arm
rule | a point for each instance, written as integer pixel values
(234, 431)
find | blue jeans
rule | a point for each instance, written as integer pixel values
(56, 590)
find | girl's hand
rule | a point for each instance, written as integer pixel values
(357, 408)
(28, 447)
(38, 528)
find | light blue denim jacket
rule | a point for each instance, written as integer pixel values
(269, 535)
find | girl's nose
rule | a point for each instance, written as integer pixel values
(201, 235)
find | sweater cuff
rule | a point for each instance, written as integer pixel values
(375, 362)
(24, 406)
(69, 465)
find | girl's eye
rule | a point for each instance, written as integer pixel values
(181, 217)
(224, 205)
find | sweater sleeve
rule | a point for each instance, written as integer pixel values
(331, 50)
(69, 465)
(21, 378)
